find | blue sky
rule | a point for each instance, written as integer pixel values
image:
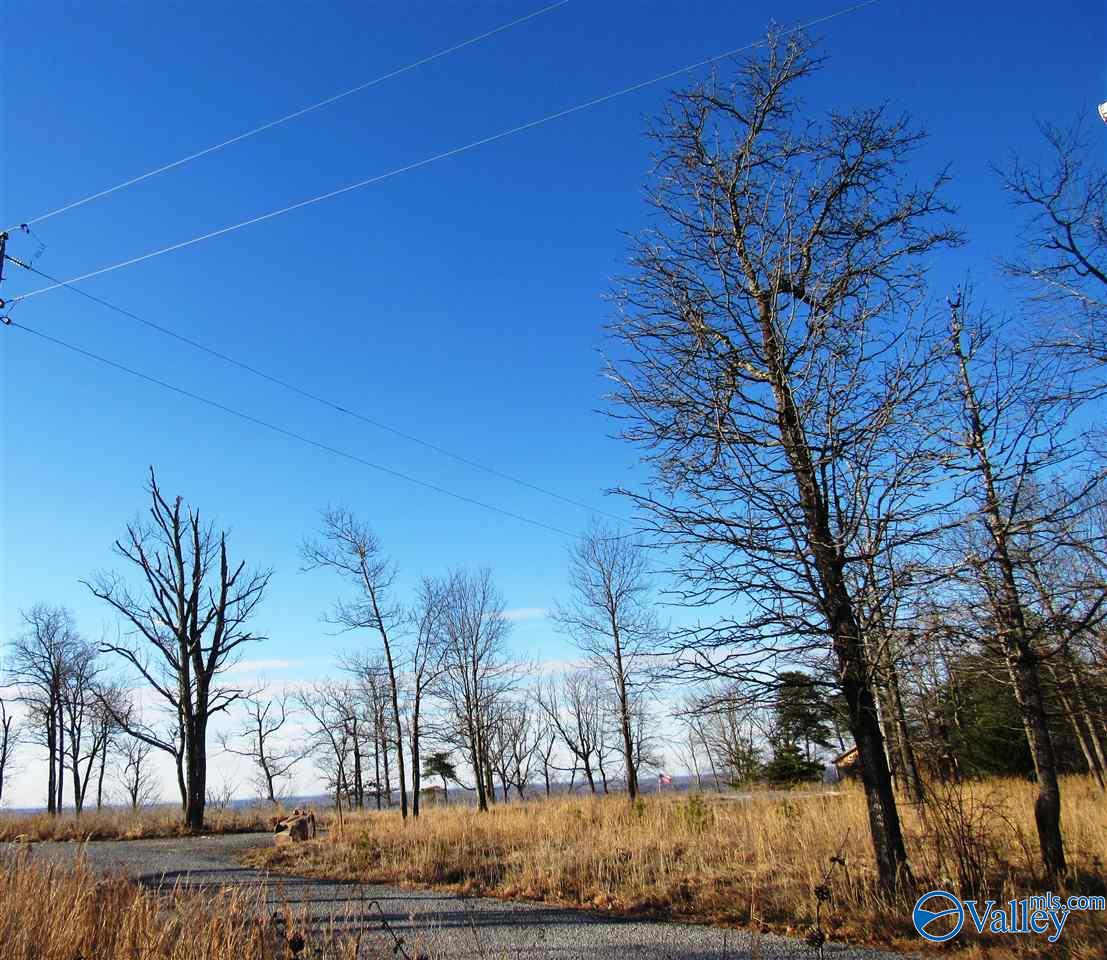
(461, 302)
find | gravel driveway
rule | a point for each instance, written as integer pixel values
(434, 924)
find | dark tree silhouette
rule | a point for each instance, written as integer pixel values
(185, 625)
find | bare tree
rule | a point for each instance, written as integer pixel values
(108, 700)
(426, 663)
(186, 622)
(515, 743)
(351, 549)
(777, 370)
(1010, 432)
(546, 736)
(41, 660)
(609, 619)
(476, 671)
(136, 775)
(329, 707)
(574, 705)
(88, 724)
(1063, 265)
(259, 739)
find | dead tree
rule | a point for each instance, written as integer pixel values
(774, 367)
(351, 549)
(259, 740)
(186, 623)
(609, 619)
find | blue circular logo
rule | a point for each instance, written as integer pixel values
(939, 903)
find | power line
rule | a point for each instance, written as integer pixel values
(298, 113)
(292, 434)
(415, 165)
(330, 404)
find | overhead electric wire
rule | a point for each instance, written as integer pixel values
(331, 404)
(292, 434)
(414, 165)
(295, 114)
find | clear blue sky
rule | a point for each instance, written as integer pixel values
(462, 302)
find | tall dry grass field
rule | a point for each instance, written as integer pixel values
(753, 862)
(119, 824)
(72, 913)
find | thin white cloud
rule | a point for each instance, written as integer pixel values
(551, 667)
(526, 613)
(259, 666)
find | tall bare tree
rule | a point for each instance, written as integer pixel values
(186, 623)
(610, 620)
(425, 665)
(351, 549)
(87, 725)
(1011, 431)
(775, 367)
(476, 671)
(40, 663)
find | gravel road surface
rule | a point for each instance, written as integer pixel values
(433, 924)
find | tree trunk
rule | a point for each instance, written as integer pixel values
(359, 780)
(884, 823)
(377, 765)
(1093, 734)
(1047, 807)
(1014, 637)
(415, 771)
(624, 711)
(51, 749)
(384, 758)
(197, 775)
(394, 690)
(100, 778)
(1078, 729)
(911, 778)
(588, 774)
(60, 803)
(489, 783)
(475, 761)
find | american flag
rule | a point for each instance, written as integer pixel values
(664, 779)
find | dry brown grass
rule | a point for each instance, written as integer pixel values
(127, 825)
(733, 862)
(70, 913)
